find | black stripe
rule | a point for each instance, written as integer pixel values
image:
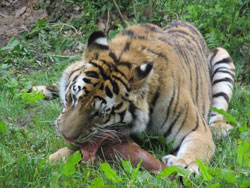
(100, 98)
(177, 149)
(225, 60)
(117, 70)
(169, 106)
(197, 83)
(95, 84)
(222, 69)
(177, 23)
(177, 100)
(105, 63)
(151, 28)
(74, 87)
(176, 31)
(54, 94)
(183, 121)
(75, 78)
(101, 87)
(132, 109)
(79, 88)
(154, 52)
(113, 56)
(125, 85)
(222, 94)
(139, 37)
(212, 114)
(108, 92)
(127, 32)
(105, 77)
(131, 34)
(223, 80)
(115, 87)
(168, 132)
(214, 51)
(123, 63)
(197, 124)
(204, 123)
(73, 72)
(96, 55)
(187, 36)
(183, 54)
(66, 100)
(92, 74)
(87, 80)
(162, 39)
(156, 96)
(122, 114)
(74, 98)
(117, 107)
(86, 91)
(126, 48)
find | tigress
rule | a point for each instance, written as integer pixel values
(160, 80)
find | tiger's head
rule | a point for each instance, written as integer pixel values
(101, 94)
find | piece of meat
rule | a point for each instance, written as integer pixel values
(125, 148)
(112, 148)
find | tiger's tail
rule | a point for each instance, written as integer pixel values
(222, 78)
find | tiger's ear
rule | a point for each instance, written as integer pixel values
(141, 75)
(97, 42)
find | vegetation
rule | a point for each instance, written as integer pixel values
(38, 56)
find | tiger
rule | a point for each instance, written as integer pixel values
(163, 81)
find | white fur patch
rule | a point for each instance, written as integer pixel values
(102, 40)
(64, 81)
(143, 67)
(62, 86)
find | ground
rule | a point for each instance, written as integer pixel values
(46, 36)
(17, 16)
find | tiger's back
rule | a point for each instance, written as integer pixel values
(181, 71)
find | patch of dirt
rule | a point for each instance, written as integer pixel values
(17, 16)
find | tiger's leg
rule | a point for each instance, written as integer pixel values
(197, 143)
(52, 91)
(49, 92)
(223, 73)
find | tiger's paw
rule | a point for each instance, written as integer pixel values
(49, 92)
(61, 154)
(220, 129)
(171, 160)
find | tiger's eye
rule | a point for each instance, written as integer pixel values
(96, 114)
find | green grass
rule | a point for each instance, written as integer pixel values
(27, 132)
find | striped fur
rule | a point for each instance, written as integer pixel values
(163, 81)
(222, 78)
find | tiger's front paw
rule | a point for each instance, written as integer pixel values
(61, 154)
(171, 160)
(220, 129)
